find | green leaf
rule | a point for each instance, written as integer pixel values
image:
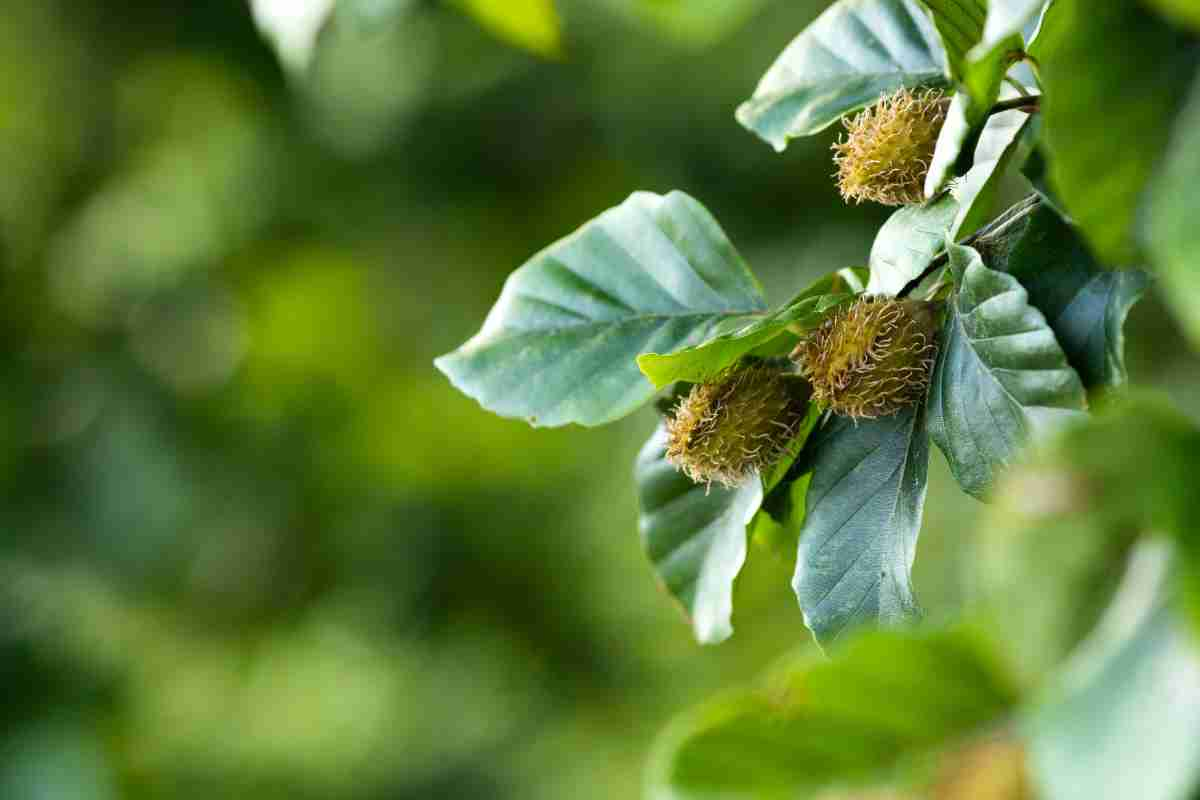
(1124, 719)
(1115, 76)
(1173, 235)
(1001, 377)
(1005, 19)
(960, 23)
(863, 517)
(739, 336)
(1183, 12)
(695, 536)
(653, 274)
(855, 52)
(908, 242)
(885, 700)
(530, 24)
(977, 190)
(694, 23)
(1085, 304)
(1091, 492)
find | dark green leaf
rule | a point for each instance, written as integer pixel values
(852, 54)
(741, 335)
(1084, 303)
(653, 274)
(886, 699)
(694, 536)
(1001, 375)
(862, 520)
(1124, 718)
(1115, 76)
(1174, 235)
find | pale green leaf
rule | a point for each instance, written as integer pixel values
(855, 52)
(655, 274)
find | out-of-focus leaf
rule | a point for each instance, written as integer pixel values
(1115, 76)
(1173, 232)
(863, 515)
(1071, 513)
(908, 242)
(292, 27)
(1124, 717)
(887, 699)
(739, 336)
(1184, 12)
(1001, 376)
(695, 536)
(531, 24)
(1006, 18)
(832, 69)
(694, 23)
(653, 274)
(1085, 304)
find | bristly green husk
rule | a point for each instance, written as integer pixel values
(871, 359)
(886, 153)
(739, 424)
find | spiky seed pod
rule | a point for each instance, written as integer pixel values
(743, 421)
(887, 149)
(871, 359)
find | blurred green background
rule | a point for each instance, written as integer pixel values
(253, 544)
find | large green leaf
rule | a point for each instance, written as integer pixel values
(1124, 719)
(1174, 236)
(1001, 375)
(863, 516)
(695, 536)
(845, 60)
(1115, 76)
(653, 274)
(1085, 304)
(701, 362)
(884, 701)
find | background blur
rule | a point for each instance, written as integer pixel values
(252, 543)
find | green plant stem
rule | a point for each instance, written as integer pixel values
(1011, 216)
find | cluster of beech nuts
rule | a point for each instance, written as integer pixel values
(870, 358)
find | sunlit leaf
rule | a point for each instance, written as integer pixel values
(908, 242)
(695, 536)
(738, 336)
(832, 68)
(531, 24)
(654, 274)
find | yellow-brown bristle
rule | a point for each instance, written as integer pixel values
(871, 359)
(887, 149)
(741, 423)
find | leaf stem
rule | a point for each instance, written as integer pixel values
(1011, 216)
(1030, 104)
